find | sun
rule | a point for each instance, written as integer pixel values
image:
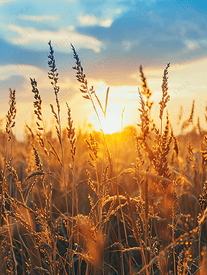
(111, 124)
(113, 121)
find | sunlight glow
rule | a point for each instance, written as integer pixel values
(112, 124)
(113, 121)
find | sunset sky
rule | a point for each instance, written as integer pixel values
(112, 39)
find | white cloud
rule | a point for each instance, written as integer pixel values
(192, 45)
(22, 70)
(87, 20)
(35, 39)
(23, 86)
(40, 17)
(71, 28)
(106, 23)
(195, 44)
(92, 20)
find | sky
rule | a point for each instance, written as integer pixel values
(112, 39)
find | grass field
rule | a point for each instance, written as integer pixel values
(73, 202)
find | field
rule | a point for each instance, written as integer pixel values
(74, 202)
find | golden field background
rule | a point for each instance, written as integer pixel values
(86, 202)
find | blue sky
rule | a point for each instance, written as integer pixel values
(112, 38)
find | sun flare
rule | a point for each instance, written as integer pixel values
(115, 118)
(111, 124)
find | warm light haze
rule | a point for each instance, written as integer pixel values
(112, 39)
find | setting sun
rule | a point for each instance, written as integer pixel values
(113, 121)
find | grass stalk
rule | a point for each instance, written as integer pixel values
(120, 222)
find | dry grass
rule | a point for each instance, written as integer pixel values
(134, 202)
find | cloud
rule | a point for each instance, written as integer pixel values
(106, 23)
(35, 39)
(71, 28)
(40, 17)
(92, 20)
(21, 70)
(20, 76)
(191, 45)
(88, 20)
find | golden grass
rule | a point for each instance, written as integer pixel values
(134, 202)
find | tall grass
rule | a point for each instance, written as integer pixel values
(72, 204)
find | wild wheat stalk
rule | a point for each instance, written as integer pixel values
(93, 146)
(71, 136)
(40, 121)
(10, 123)
(180, 115)
(11, 113)
(189, 121)
(81, 77)
(144, 117)
(72, 140)
(53, 75)
(145, 90)
(165, 96)
(122, 117)
(87, 93)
